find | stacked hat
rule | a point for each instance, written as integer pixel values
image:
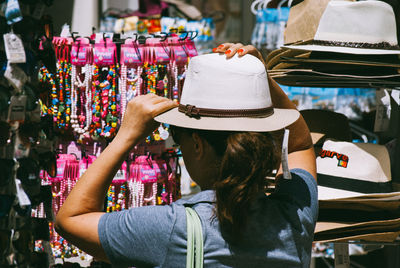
(354, 183)
(352, 169)
(354, 192)
(355, 45)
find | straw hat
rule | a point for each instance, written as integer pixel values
(364, 27)
(346, 169)
(227, 94)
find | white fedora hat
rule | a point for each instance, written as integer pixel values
(346, 169)
(227, 94)
(364, 27)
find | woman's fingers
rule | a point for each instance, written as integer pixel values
(162, 105)
(249, 49)
(230, 49)
(233, 50)
(223, 47)
(151, 104)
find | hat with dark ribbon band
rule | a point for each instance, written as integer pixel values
(227, 95)
(193, 111)
(355, 27)
(381, 45)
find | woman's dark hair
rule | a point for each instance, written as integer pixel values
(246, 159)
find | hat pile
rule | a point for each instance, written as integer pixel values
(355, 45)
(354, 192)
(355, 195)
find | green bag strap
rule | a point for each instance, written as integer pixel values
(195, 251)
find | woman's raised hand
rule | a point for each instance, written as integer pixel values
(230, 49)
(139, 117)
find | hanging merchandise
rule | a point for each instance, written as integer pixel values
(26, 137)
(118, 21)
(201, 31)
(81, 94)
(145, 179)
(270, 25)
(153, 180)
(104, 90)
(88, 97)
(91, 87)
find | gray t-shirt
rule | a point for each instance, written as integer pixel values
(279, 233)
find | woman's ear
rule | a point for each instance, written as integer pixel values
(198, 145)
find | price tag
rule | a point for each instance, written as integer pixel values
(16, 76)
(23, 198)
(74, 150)
(39, 10)
(82, 169)
(164, 134)
(342, 258)
(16, 111)
(383, 109)
(120, 175)
(65, 31)
(21, 150)
(285, 161)
(396, 95)
(98, 38)
(14, 48)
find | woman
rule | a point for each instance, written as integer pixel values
(222, 126)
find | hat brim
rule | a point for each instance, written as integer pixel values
(347, 50)
(327, 193)
(316, 137)
(339, 61)
(278, 120)
(271, 64)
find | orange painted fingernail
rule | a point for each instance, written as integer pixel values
(228, 51)
(214, 49)
(241, 50)
(220, 46)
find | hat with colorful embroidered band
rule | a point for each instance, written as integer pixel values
(346, 169)
(227, 94)
(363, 27)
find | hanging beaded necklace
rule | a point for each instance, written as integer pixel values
(175, 89)
(104, 102)
(46, 77)
(130, 85)
(162, 85)
(123, 84)
(121, 205)
(62, 101)
(111, 117)
(151, 73)
(67, 114)
(96, 128)
(82, 90)
(111, 199)
(116, 202)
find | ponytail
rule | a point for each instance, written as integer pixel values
(248, 159)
